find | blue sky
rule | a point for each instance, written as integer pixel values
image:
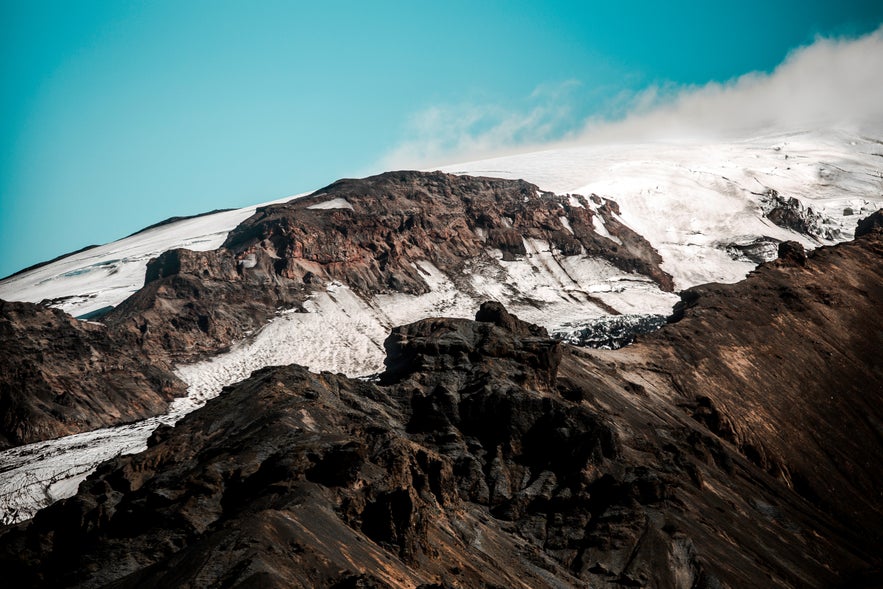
(116, 114)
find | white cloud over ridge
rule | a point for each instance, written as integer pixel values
(831, 83)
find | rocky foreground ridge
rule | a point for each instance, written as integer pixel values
(739, 446)
(366, 234)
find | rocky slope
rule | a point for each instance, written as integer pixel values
(60, 376)
(739, 446)
(372, 235)
(701, 204)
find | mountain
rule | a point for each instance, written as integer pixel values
(700, 204)
(488, 454)
(66, 376)
(321, 280)
(391, 235)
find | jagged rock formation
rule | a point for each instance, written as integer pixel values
(756, 250)
(739, 446)
(385, 223)
(60, 376)
(609, 333)
(367, 234)
(790, 213)
(197, 303)
(194, 304)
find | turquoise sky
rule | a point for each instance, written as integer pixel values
(117, 114)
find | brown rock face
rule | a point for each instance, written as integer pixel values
(397, 218)
(60, 376)
(195, 303)
(709, 454)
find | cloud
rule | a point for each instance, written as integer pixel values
(831, 83)
(473, 130)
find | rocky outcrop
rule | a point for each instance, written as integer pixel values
(197, 303)
(60, 376)
(792, 252)
(790, 213)
(609, 333)
(756, 249)
(871, 223)
(385, 223)
(735, 447)
(367, 234)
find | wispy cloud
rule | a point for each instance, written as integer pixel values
(439, 133)
(833, 82)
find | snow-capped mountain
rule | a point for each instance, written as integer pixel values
(700, 204)
(704, 204)
(711, 211)
(719, 449)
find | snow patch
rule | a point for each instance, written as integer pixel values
(334, 203)
(689, 198)
(601, 229)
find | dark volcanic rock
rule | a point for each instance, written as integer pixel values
(757, 250)
(299, 479)
(435, 346)
(793, 252)
(720, 451)
(790, 213)
(60, 376)
(789, 364)
(397, 218)
(609, 333)
(873, 222)
(197, 303)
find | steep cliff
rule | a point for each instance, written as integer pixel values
(60, 376)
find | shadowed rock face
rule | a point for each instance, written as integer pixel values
(787, 367)
(708, 454)
(195, 304)
(871, 223)
(60, 376)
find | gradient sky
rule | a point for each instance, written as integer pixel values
(117, 114)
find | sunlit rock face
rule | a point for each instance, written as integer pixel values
(60, 376)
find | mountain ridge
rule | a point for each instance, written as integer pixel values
(736, 445)
(570, 466)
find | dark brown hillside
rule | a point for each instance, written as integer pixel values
(60, 376)
(707, 455)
